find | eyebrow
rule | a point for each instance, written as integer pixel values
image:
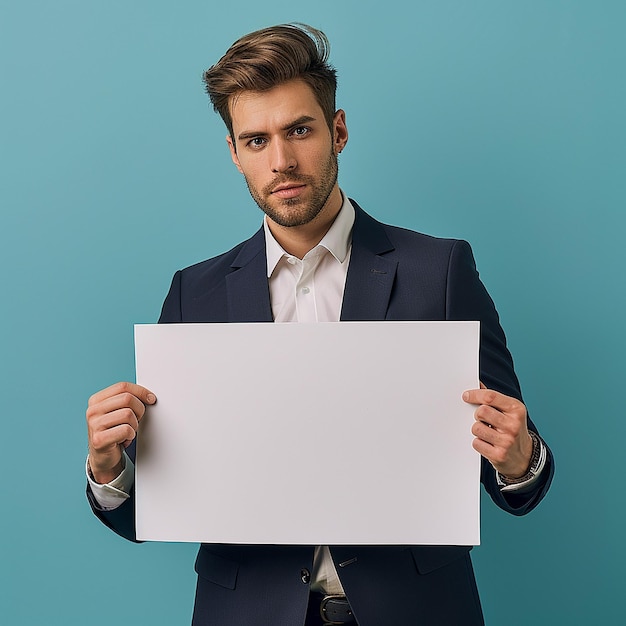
(249, 134)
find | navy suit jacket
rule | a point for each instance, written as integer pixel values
(394, 274)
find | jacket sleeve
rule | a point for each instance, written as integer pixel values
(467, 299)
(122, 519)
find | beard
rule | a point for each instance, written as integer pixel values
(297, 211)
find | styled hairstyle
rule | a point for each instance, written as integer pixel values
(269, 57)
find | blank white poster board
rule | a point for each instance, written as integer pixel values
(323, 434)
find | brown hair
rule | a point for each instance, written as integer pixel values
(269, 57)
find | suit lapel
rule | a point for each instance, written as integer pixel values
(370, 275)
(247, 289)
(368, 284)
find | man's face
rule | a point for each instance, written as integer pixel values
(287, 153)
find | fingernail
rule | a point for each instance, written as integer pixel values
(151, 398)
(466, 395)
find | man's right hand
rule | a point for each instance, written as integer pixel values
(113, 416)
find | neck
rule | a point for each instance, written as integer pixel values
(298, 240)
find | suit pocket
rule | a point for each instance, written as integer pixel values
(216, 568)
(429, 558)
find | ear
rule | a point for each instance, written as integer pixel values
(340, 131)
(233, 152)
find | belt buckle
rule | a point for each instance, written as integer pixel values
(324, 610)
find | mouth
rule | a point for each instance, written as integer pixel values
(288, 190)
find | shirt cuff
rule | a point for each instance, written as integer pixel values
(526, 485)
(112, 495)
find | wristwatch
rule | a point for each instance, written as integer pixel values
(537, 461)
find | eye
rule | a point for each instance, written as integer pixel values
(256, 142)
(300, 131)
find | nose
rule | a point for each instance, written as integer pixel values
(282, 157)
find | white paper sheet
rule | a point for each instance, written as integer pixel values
(323, 434)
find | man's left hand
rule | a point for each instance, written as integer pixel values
(501, 431)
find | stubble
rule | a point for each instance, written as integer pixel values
(292, 212)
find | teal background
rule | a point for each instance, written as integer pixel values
(499, 122)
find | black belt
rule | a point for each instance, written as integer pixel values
(333, 609)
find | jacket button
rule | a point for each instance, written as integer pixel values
(305, 576)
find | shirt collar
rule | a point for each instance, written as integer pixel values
(337, 240)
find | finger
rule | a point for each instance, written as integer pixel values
(490, 397)
(490, 435)
(110, 405)
(140, 392)
(103, 441)
(469, 394)
(494, 454)
(113, 419)
(511, 425)
(485, 432)
(482, 385)
(491, 417)
(484, 447)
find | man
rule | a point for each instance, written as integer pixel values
(320, 257)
